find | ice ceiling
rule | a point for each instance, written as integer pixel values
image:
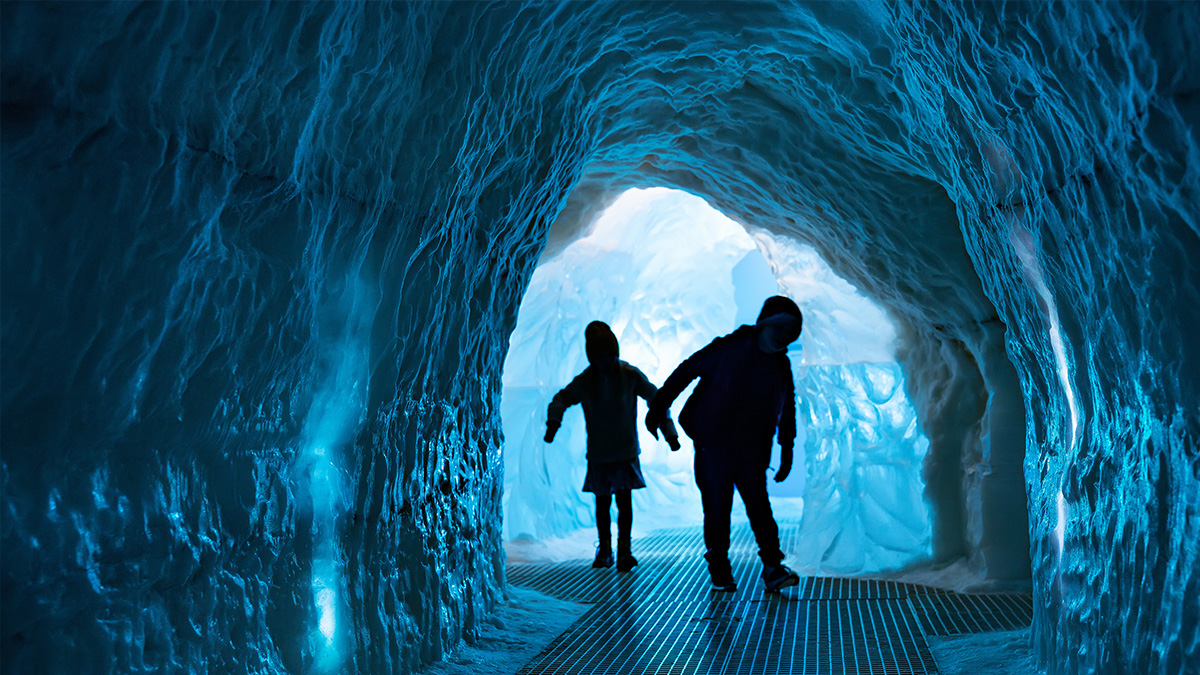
(261, 264)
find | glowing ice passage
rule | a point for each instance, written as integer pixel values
(669, 273)
(261, 265)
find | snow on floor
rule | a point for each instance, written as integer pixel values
(999, 653)
(579, 545)
(519, 630)
(958, 576)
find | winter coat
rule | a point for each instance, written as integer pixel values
(609, 399)
(743, 397)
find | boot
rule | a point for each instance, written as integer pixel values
(778, 577)
(720, 572)
(722, 580)
(625, 559)
(604, 556)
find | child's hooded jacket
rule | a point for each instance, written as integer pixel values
(608, 389)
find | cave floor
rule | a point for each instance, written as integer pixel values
(663, 618)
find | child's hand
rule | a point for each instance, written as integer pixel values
(550, 431)
(652, 423)
(784, 469)
(672, 441)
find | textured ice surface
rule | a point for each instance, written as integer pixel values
(995, 653)
(670, 273)
(237, 234)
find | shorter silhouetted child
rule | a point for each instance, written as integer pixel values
(608, 389)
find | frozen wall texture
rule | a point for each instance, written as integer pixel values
(261, 263)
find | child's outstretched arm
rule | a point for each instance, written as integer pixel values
(565, 398)
(648, 391)
(670, 435)
(692, 367)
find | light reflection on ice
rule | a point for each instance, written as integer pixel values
(320, 473)
(1022, 241)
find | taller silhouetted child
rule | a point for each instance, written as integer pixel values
(608, 389)
(744, 396)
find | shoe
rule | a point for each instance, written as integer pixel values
(778, 577)
(723, 581)
(603, 559)
(625, 559)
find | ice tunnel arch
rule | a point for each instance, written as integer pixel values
(187, 187)
(669, 273)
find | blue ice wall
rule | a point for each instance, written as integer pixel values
(260, 264)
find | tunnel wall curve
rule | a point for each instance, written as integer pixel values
(260, 265)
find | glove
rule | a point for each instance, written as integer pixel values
(551, 429)
(784, 469)
(672, 441)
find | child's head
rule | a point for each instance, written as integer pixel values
(778, 304)
(600, 343)
(779, 324)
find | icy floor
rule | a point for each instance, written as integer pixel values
(999, 653)
(957, 576)
(519, 630)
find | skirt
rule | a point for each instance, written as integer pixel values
(612, 477)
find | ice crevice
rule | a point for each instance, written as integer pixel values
(263, 266)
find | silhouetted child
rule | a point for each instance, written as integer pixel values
(744, 395)
(608, 389)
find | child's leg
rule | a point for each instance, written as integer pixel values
(752, 486)
(625, 559)
(604, 521)
(624, 516)
(603, 527)
(716, 498)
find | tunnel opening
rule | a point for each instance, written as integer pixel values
(669, 273)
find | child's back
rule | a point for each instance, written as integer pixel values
(608, 394)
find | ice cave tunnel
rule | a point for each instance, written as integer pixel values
(282, 282)
(669, 273)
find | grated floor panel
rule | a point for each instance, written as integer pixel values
(663, 619)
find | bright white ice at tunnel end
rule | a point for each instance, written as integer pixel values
(669, 273)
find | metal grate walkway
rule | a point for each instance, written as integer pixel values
(663, 619)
